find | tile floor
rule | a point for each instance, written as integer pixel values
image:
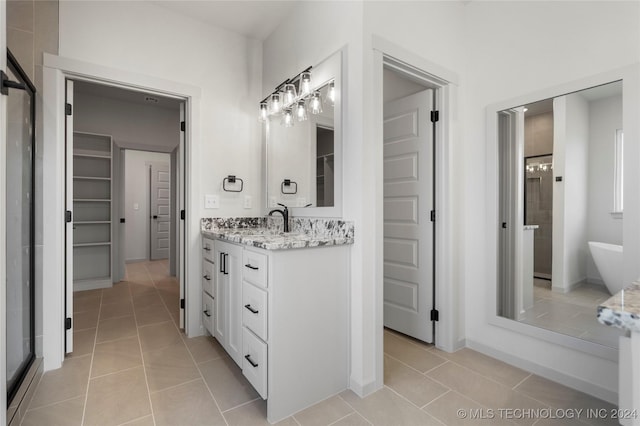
(133, 366)
(572, 313)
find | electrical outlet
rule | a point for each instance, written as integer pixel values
(211, 201)
(247, 201)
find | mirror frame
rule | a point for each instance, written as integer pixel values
(329, 69)
(630, 77)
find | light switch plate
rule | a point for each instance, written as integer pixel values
(211, 201)
(247, 201)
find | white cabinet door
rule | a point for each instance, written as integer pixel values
(228, 298)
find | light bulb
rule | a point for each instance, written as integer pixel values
(287, 118)
(276, 106)
(305, 83)
(315, 103)
(331, 94)
(301, 111)
(289, 94)
(263, 112)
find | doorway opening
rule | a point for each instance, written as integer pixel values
(125, 197)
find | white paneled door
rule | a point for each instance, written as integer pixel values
(408, 202)
(160, 209)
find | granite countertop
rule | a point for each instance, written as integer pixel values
(623, 309)
(271, 240)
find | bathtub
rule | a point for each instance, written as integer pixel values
(608, 259)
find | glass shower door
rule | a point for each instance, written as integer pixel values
(20, 226)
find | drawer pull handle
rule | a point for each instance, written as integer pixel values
(248, 358)
(206, 312)
(207, 277)
(206, 249)
(253, 311)
(250, 266)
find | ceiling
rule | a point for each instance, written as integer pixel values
(124, 95)
(251, 18)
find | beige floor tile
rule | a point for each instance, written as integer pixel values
(226, 382)
(418, 357)
(144, 421)
(85, 320)
(116, 355)
(385, 407)
(140, 279)
(141, 289)
(116, 328)
(67, 382)
(487, 392)
(158, 336)
(67, 413)
(411, 384)
(152, 314)
(83, 342)
(324, 413)
(204, 348)
(454, 409)
(255, 414)
(188, 404)
(559, 396)
(119, 292)
(83, 303)
(116, 310)
(353, 419)
(117, 398)
(147, 299)
(169, 366)
(499, 371)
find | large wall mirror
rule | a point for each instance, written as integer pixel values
(561, 203)
(304, 157)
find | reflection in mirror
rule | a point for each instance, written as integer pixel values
(561, 211)
(300, 158)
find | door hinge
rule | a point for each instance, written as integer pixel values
(183, 126)
(67, 109)
(504, 225)
(433, 215)
(181, 303)
(435, 116)
(122, 220)
(435, 315)
(67, 323)
(182, 214)
(6, 84)
(68, 216)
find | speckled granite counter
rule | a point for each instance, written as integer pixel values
(623, 309)
(266, 233)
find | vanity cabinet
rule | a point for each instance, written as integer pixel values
(228, 298)
(282, 315)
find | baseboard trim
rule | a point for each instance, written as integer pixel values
(548, 373)
(362, 390)
(144, 259)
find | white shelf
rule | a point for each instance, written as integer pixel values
(91, 178)
(92, 222)
(92, 200)
(83, 155)
(105, 243)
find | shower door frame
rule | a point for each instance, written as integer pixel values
(28, 362)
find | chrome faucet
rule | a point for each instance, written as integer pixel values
(285, 215)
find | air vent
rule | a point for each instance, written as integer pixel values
(151, 99)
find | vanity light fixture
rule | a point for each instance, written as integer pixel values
(301, 110)
(275, 105)
(331, 94)
(315, 103)
(289, 93)
(287, 118)
(305, 83)
(263, 112)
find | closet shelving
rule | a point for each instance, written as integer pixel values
(92, 206)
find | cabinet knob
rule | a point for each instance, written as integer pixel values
(207, 277)
(206, 249)
(253, 311)
(248, 358)
(248, 265)
(206, 312)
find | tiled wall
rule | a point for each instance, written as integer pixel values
(32, 29)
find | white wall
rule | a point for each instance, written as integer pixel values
(127, 123)
(149, 39)
(605, 117)
(570, 163)
(524, 60)
(136, 169)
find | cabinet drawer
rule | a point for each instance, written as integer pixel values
(208, 310)
(208, 277)
(254, 309)
(254, 361)
(207, 249)
(254, 268)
